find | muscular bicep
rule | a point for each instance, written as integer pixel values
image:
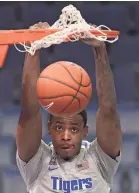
(109, 133)
(29, 133)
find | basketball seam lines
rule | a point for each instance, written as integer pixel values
(54, 96)
(47, 77)
(70, 103)
(73, 77)
(75, 95)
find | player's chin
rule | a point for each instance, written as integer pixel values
(67, 155)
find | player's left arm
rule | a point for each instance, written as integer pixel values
(108, 129)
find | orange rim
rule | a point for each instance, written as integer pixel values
(3, 54)
(109, 34)
(8, 37)
(26, 35)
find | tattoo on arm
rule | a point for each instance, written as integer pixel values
(104, 78)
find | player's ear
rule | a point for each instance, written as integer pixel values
(86, 131)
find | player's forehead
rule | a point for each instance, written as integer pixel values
(75, 120)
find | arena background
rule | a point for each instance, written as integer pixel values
(124, 60)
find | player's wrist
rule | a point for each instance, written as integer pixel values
(99, 48)
(37, 53)
(98, 44)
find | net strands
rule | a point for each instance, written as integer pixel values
(70, 22)
(69, 27)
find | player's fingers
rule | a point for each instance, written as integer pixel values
(93, 25)
(40, 25)
(46, 25)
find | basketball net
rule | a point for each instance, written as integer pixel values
(69, 22)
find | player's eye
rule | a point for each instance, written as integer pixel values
(74, 130)
(59, 128)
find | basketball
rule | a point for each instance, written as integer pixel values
(64, 88)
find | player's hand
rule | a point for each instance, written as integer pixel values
(40, 25)
(93, 42)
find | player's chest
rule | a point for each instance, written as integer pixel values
(69, 178)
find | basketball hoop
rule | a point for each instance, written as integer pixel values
(69, 27)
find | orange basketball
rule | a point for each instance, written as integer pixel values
(64, 88)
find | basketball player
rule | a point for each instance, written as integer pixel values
(67, 167)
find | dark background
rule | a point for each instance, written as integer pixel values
(124, 60)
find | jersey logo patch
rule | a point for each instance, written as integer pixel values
(84, 165)
(53, 161)
(53, 164)
(67, 186)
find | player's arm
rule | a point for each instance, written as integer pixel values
(28, 136)
(108, 130)
(29, 131)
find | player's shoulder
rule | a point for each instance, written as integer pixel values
(45, 147)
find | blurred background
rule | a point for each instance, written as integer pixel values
(124, 60)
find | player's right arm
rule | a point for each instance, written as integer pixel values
(29, 130)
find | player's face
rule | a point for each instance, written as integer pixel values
(67, 135)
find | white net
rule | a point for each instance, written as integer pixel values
(72, 26)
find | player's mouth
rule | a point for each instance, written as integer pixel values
(67, 147)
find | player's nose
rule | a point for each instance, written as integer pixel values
(66, 136)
